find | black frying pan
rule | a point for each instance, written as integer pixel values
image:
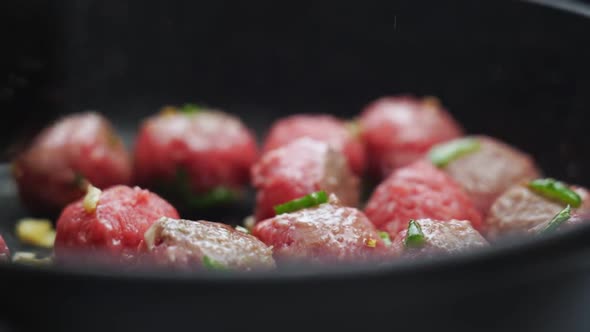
(514, 70)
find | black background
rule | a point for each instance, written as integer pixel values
(509, 69)
(505, 68)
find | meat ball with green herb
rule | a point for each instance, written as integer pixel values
(431, 238)
(204, 245)
(299, 168)
(194, 156)
(483, 166)
(315, 229)
(64, 157)
(399, 130)
(532, 205)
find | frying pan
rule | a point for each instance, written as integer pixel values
(515, 70)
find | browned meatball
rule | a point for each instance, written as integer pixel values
(489, 171)
(520, 209)
(196, 245)
(440, 237)
(329, 232)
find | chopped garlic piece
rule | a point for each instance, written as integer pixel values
(91, 199)
(150, 235)
(249, 223)
(242, 229)
(168, 110)
(24, 257)
(37, 232)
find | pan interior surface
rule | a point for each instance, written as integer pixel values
(497, 73)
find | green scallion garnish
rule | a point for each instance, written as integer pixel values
(190, 108)
(442, 154)
(313, 199)
(212, 264)
(180, 189)
(556, 190)
(385, 237)
(79, 181)
(216, 196)
(414, 237)
(563, 216)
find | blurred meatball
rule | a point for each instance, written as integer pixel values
(299, 168)
(193, 156)
(321, 127)
(4, 251)
(400, 130)
(77, 149)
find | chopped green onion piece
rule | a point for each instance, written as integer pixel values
(313, 199)
(242, 229)
(563, 216)
(385, 237)
(556, 190)
(216, 196)
(441, 155)
(212, 264)
(190, 108)
(79, 181)
(180, 189)
(414, 237)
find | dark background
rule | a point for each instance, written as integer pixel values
(509, 69)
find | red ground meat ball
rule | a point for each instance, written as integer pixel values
(486, 173)
(325, 128)
(115, 228)
(326, 233)
(84, 145)
(519, 210)
(4, 251)
(419, 191)
(214, 149)
(300, 168)
(400, 130)
(197, 245)
(440, 238)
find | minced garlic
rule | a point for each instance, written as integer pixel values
(37, 232)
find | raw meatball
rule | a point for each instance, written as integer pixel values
(419, 191)
(195, 245)
(109, 224)
(300, 168)
(400, 130)
(325, 128)
(441, 237)
(520, 209)
(329, 232)
(77, 149)
(189, 156)
(4, 252)
(489, 171)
